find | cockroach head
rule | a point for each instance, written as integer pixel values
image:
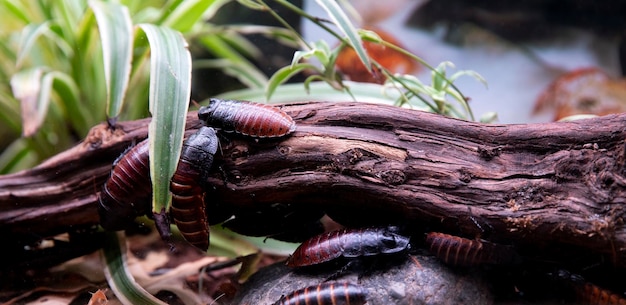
(205, 112)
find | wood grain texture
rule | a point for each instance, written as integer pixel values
(535, 185)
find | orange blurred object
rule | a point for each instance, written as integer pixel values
(584, 91)
(350, 65)
(98, 298)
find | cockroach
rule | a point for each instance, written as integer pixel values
(187, 187)
(588, 293)
(348, 243)
(126, 193)
(328, 293)
(247, 118)
(460, 251)
(591, 294)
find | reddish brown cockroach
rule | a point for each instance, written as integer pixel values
(126, 194)
(251, 119)
(594, 295)
(456, 250)
(187, 187)
(328, 293)
(348, 243)
(588, 293)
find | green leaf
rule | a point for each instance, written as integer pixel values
(76, 112)
(10, 112)
(251, 4)
(244, 71)
(116, 35)
(18, 9)
(489, 117)
(17, 156)
(319, 91)
(28, 37)
(190, 12)
(341, 20)
(119, 276)
(283, 75)
(170, 92)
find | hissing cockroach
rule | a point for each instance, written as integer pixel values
(348, 243)
(328, 293)
(591, 294)
(126, 194)
(187, 187)
(251, 119)
(588, 293)
(460, 251)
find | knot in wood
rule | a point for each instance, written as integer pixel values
(284, 150)
(239, 152)
(487, 153)
(393, 176)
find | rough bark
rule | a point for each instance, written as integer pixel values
(535, 185)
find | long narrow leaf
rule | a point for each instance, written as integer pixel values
(283, 75)
(28, 37)
(27, 86)
(341, 20)
(75, 111)
(170, 91)
(116, 35)
(243, 71)
(189, 12)
(119, 277)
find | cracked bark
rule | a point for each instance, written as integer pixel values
(537, 186)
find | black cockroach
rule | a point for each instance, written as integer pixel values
(348, 243)
(251, 119)
(460, 251)
(187, 187)
(126, 194)
(328, 293)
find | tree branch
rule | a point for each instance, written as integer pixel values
(533, 185)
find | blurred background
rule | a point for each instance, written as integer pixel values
(520, 48)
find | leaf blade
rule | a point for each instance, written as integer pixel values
(170, 92)
(342, 21)
(116, 35)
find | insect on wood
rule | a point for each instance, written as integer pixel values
(460, 251)
(126, 194)
(588, 293)
(348, 243)
(592, 294)
(187, 187)
(328, 293)
(247, 118)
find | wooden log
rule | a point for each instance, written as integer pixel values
(536, 185)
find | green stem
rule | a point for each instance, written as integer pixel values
(421, 61)
(282, 21)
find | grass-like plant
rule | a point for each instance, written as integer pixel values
(67, 66)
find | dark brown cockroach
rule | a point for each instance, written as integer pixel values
(247, 118)
(126, 194)
(460, 251)
(187, 187)
(348, 243)
(328, 293)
